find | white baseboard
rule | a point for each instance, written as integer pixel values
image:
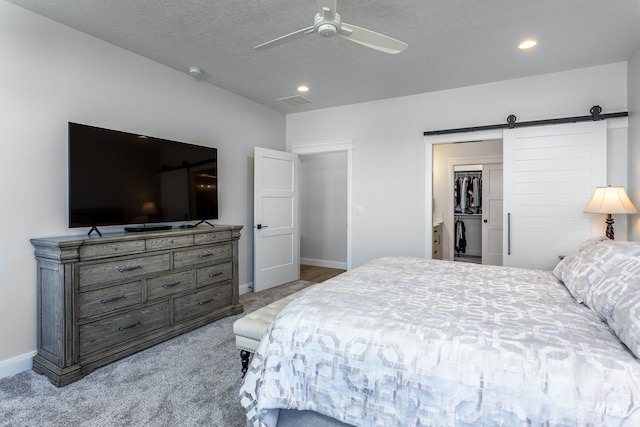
(245, 288)
(323, 263)
(15, 365)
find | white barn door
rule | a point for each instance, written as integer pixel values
(276, 236)
(550, 173)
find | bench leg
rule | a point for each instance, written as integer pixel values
(244, 356)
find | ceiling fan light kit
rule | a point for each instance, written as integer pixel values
(327, 23)
(327, 30)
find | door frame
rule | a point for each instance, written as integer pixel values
(331, 147)
(429, 142)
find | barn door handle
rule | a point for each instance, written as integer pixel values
(508, 233)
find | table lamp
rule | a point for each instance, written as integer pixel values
(610, 200)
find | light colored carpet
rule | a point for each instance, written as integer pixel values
(190, 380)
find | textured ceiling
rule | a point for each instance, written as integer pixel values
(452, 43)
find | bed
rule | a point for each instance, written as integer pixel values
(407, 341)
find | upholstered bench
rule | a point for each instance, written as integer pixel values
(250, 329)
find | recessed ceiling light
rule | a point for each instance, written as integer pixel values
(528, 44)
(303, 88)
(195, 71)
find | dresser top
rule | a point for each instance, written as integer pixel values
(77, 240)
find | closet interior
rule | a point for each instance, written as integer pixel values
(467, 213)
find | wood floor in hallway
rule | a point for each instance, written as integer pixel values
(318, 274)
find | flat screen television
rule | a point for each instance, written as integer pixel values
(119, 178)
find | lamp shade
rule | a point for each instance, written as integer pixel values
(610, 200)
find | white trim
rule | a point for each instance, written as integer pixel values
(323, 263)
(343, 145)
(15, 365)
(245, 288)
(479, 135)
(328, 147)
(429, 142)
(617, 123)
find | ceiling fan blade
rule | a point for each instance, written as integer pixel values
(286, 38)
(372, 39)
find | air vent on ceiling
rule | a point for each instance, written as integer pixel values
(295, 100)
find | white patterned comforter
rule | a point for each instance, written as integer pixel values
(410, 341)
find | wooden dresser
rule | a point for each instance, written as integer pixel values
(436, 245)
(104, 298)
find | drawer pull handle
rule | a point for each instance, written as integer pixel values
(122, 328)
(219, 273)
(125, 269)
(104, 301)
(207, 301)
(115, 248)
(171, 285)
(205, 255)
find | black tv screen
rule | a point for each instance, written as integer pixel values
(118, 178)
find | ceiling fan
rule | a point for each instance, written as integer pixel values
(328, 23)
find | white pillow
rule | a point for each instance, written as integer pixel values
(567, 267)
(590, 262)
(616, 299)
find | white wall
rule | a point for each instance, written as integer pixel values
(51, 74)
(388, 155)
(633, 187)
(323, 209)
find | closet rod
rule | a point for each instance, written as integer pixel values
(511, 122)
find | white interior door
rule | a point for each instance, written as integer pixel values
(550, 173)
(492, 184)
(276, 238)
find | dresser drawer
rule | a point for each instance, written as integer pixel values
(203, 302)
(218, 236)
(215, 273)
(437, 235)
(168, 242)
(170, 284)
(122, 269)
(437, 242)
(201, 255)
(109, 299)
(114, 330)
(111, 249)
